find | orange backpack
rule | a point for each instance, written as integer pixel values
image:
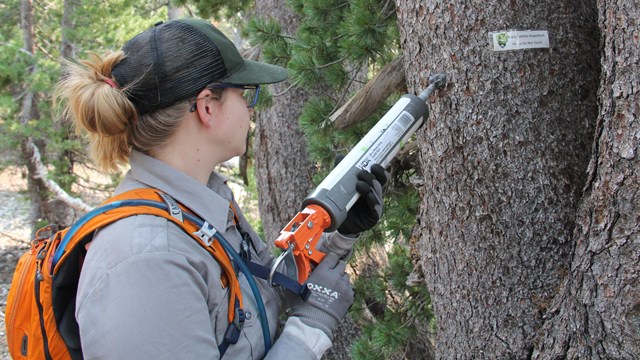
(40, 313)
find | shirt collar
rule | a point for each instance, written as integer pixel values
(211, 202)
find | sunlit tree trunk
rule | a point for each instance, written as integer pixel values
(503, 159)
(173, 11)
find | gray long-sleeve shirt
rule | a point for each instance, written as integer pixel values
(149, 291)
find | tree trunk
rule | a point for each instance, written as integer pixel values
(597, 313)
(173, 11)
(67, 48)
(503, 158)
(67, 51)
(62, 209)
(28, 111)
(283, 170)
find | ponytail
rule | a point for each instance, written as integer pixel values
(98, 108)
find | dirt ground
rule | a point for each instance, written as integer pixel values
(15, 232)
(14, 237)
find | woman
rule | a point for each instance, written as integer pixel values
(171, 104)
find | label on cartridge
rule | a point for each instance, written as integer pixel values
(389, 139)
(337, 192)
(370, 142)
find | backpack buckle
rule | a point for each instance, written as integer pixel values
(239, 319)
(206, 233)
(232, 334)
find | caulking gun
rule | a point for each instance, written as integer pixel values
(327, 206)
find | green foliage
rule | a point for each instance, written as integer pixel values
(114, 22)
(265, 99)
(250, 201)
(217, 9)
(13, 61)
(317, 129)
(334, 37)
(268, 32)
(407, 311)
(401, 203)
(366, 31)
(334, 42)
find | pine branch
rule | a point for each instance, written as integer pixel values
(346, 88)
(92, 188)
(44, 51)
(331, 63)
(285, 90)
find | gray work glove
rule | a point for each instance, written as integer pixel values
(366, 212)
(330, 298)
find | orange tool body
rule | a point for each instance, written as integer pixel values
(302, 235)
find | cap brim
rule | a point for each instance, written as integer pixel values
(254, 72)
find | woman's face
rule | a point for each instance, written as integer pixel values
(235, 121)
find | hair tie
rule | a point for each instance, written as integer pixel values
(110, 82)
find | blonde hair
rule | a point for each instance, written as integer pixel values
(106, 115)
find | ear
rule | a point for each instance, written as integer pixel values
(205, 108)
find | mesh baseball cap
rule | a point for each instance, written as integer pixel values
(174, 60)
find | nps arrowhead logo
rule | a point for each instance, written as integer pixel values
(502, 39)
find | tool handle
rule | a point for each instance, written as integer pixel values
(303, 233)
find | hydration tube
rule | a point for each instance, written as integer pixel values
(247, 273)
(83, 220)
(266, 334)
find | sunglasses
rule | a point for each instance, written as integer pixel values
(250, 94)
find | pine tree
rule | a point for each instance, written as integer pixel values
(24, 71)
(336, 43)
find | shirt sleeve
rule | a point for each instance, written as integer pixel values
(302, 340)
(337, 243)
(155, 312)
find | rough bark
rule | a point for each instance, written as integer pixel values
(283, 170)
(503, 157)
(597, 313)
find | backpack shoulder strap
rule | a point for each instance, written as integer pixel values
(147, 201)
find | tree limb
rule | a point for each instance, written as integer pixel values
(42, 174)
(372, 95)
(15, 239)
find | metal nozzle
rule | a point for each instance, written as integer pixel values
(436, 81)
